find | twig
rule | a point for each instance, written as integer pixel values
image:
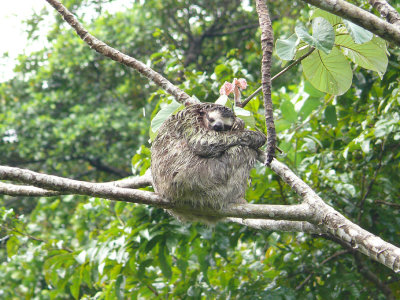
(368, 274)
(31, 237)
(397, 205)
(335, 255)
(378, 168)
(283, 71)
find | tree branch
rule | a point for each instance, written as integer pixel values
(336, 224)
(278, 225)
(112, 191)
(267, 45)
(386, 11)
(358, 16)
(120, 57)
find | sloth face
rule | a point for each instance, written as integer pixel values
(219, 121)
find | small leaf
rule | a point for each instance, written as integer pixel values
(282, 124)
(12, 246)
(359, 34)
(162, 115)
(245, 115)
(222, 100)
(288, 112)
(164, 265)
(286, 48)
(76, 284)
(330, 115)
(308, 106)
(323, 34)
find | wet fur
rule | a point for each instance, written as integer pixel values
(198, 167)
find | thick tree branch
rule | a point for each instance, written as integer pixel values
(278, 225)
(360, 17)
(336, 224)
(319, 217)
(111, 191)
(267, 45)
(386, 11)
(120, 57)
(31, 191)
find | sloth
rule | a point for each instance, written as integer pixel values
(201, 158)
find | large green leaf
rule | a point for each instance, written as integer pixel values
(328, 73)
(323, 36)
(368, 55)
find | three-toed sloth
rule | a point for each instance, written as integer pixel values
(201, 158)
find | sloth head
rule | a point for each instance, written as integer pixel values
(219, 118)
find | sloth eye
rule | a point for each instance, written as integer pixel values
(211, 120)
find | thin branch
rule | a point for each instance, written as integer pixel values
(371, 184)
(396, 205)
(363, 269)
(335, 255)
(358, 16)
(267, 45)
(388, 12)
(31, 237)
(120, 57)
(283, 71)
(236, 30)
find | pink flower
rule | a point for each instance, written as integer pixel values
(226, 88)
(241, 82)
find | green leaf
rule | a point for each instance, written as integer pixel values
(330, 115)
(359, 34)
(288, 112)
(286, 48)
(162, 115)
(222, 100)
(245, 115)
(282, 124)
(119, 207)
(308, 106)
(12, 246)
(162, 259)
(328, 73)
(76, 284)
(368, 55)
(323, 34)
(333, 19)
(312, 91)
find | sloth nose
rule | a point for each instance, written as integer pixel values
(218, 126)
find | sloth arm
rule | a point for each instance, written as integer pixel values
(213, 143)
